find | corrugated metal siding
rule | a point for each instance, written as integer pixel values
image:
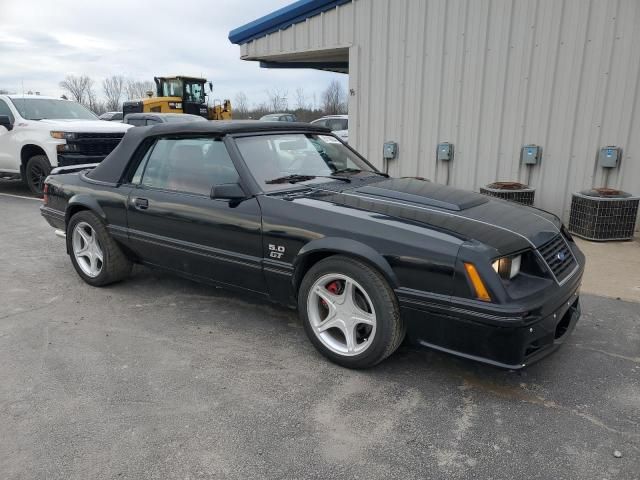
(488, 76)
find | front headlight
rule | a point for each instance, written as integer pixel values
(508, 267)
(63, 135)
(65, 147)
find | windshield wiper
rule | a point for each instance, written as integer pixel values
(302, 178)
(357, 170)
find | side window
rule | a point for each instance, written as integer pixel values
(190, 165)
(137, 176)
(321, 123)
(5, 110)
(136, 122)
(153, 121)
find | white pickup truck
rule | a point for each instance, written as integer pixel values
(38, 133)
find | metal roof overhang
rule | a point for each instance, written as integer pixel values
(283, 18)
(330, 60)
(338, 67)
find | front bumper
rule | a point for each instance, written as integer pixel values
(507, 342)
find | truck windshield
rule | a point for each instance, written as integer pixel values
(41, 108)
(298, 155)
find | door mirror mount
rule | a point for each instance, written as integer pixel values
(228, 191)
(5, 122)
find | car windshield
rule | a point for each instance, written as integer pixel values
(41, 108)
(272, 157)
(336, 124)
(271, 117)
(185, 118)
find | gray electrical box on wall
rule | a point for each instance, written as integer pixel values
(530, 154)
(609, 156)
(389, 150)
(445, 152)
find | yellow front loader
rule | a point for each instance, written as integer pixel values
(180, 94)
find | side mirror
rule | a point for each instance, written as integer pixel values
(228, 191)
(5, 122)
(210, 86)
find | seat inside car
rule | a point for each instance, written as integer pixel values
(189, 172)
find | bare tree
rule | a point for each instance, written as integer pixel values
(113, 88)
(334, 99)
(260, 109)
(92, 100)
(278, 99)
(241, 105)
(301, 99)
(136, 89)
(78, 87)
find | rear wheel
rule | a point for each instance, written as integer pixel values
(94, 254)
(350, 312)
(37, 169)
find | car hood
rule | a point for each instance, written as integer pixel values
(98, 126)
(341, 133)
(505, 226)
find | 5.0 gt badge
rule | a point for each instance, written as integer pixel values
(276, 251)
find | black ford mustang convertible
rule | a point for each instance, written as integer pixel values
(289, 212)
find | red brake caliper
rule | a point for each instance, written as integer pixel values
(333, 287)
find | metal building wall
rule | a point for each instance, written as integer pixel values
(488, 76)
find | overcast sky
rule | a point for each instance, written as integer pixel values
(41, 41)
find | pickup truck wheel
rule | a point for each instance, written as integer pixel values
(38, 168)
(95, 255)
(349, 312)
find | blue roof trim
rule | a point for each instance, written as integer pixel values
(283, 18)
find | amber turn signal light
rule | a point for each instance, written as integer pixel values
(481, 291)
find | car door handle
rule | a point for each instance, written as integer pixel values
(141, 203)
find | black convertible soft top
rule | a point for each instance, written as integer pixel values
(111, 168)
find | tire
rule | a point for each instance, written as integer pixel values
(372, 314)
(114, 265)
(37, 169)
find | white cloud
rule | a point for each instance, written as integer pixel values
(43, 41)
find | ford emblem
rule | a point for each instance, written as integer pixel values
(561, 256)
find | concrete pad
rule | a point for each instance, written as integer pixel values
(613, 268)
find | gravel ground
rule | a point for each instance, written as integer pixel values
(161, 378)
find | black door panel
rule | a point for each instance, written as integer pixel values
(199, 236)
(174, 223)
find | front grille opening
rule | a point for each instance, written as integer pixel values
(563, 325)
(558, 257)
(532, 348)
(96, 143)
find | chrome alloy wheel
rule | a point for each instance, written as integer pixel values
(86, 249)
(341, 314)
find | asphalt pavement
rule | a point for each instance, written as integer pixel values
(161, 378)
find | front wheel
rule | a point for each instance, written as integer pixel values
(36, 171)
(349, 312)
(95, 255)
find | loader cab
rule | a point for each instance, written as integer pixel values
(185, 93)
(173, 95)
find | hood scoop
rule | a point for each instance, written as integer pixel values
(424, 193)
